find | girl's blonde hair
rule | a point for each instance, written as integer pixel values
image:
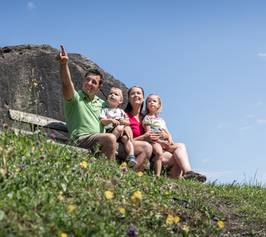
(159, 100)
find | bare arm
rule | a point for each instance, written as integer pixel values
(167, 135)
(68, 86)
(125, 121)
(108, 121)
(170, 138)
(148, 135)
(147, 127)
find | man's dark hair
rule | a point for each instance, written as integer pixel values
(95, 71)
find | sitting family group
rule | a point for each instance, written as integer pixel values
(144, 135)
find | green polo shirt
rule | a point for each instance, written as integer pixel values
(82, 115)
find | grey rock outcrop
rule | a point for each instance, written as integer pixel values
(29, 80)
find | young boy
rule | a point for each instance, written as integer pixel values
(117, 122)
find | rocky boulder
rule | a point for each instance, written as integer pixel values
(29, 80)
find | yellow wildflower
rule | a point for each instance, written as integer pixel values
(136, 196)
(108, 195)
(18, 170)
(60, 197)
(170, 220)
(63, 234)
(185, 228)
(123, 165)
(176, 219)
(3, 172)
(139, 173)
(220, 224)
(83, 165)
(121, 210)
(71, 208)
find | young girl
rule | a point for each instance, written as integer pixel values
(154, 123)
(117, 122)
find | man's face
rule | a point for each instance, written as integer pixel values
(91, 84)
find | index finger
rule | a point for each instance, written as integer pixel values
(63, 50)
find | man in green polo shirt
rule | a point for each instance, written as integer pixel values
(82, 110)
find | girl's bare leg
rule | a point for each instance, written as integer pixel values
(157, 151)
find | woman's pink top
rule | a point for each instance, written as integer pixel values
(135, 125)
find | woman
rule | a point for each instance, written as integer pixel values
(142, 149)
(178, 162)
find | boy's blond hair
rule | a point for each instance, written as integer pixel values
(120, 92)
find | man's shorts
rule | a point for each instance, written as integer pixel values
(88, 141)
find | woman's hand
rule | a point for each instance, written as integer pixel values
(151, 136)
(163, 135)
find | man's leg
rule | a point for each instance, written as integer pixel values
(107, 142)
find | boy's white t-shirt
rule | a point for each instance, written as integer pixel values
(112, 113)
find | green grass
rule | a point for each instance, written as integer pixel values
(45, 191)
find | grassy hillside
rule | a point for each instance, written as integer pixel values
(49, 190)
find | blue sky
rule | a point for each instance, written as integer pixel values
(207, 60)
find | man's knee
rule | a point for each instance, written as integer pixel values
(107, 139)
(110, 138)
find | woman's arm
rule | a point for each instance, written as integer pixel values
(147, 127)
(143, 137)
(165, 134)
(148, 136)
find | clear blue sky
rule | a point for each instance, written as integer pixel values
(207, 60)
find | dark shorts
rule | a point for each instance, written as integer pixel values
(87, 141)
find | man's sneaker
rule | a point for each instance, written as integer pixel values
(131, 161)
(195, 176)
